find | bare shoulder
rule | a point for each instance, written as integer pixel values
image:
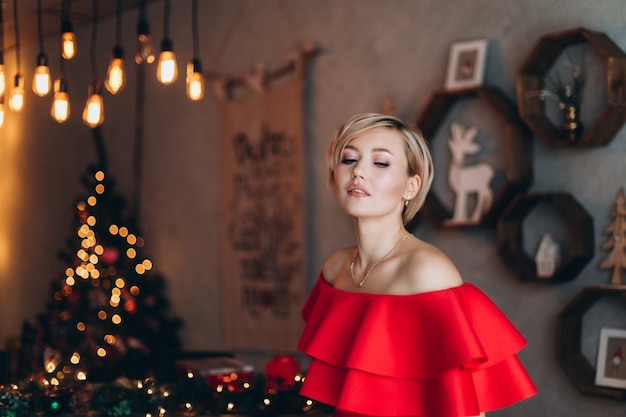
(336, 264)
(429, 269)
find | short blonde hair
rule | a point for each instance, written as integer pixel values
(416, 149)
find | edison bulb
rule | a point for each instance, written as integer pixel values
(3, 82)
(60, 110)
(144, 50)
(2, 111)
(68, 40)
(116, 73)
(93, 113)
(167, 68)
(41, 78)
(195, 80)
(16, 97)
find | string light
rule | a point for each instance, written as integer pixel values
(41, 79)
(16, 98)
(144, 51)
(60, 110)
(68, 40)
(2, 72)
(93, 113)
(167, 68)
(195, 79)
(116, 73)
(2, 111)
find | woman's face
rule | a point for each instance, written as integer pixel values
(371, 177)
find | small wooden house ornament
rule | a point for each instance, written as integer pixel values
(616, 259)
(548, 256)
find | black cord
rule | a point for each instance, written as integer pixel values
(17, 36)
(142, 10)
(1, 35)
(194, 27)
(40, 26)
(94, 31)
(166, 19)
(118, 23)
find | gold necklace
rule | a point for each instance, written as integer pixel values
(369, 270)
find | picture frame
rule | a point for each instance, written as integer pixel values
(466, 64)
(611, 364)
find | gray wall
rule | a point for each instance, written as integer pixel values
(371, 50)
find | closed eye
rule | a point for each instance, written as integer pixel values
(381, 164)
(348, 160)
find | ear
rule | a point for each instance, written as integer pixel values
(412, 187)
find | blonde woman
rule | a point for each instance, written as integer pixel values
(391, 328)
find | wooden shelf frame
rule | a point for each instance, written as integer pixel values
(530, 77)
(518, 148)
(579, 235)
(569, 341)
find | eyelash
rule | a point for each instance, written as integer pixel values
(351, 160)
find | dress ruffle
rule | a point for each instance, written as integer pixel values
(442, 353)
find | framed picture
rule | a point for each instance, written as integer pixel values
(611, 366)
(466, 64)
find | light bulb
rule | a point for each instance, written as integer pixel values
(2, 110)
(3, 82)
(93, 114)
(60, 110)
(144, 50)
(167, 68)
(68, 41)
(195, 80)
(16, 97)
(116, 74)
(41, 79)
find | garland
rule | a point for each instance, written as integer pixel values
(189, 397)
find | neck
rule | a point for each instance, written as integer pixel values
(374, 239)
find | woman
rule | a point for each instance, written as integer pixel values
(391, 328)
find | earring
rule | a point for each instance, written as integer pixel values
(406, 202)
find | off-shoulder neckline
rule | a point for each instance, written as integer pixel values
(328, 285)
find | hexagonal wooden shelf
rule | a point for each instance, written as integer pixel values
(530, 78)
(580, 240)
(569, 354)
(518, 148)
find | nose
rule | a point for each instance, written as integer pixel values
(357, 172)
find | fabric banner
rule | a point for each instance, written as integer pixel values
(262, 218)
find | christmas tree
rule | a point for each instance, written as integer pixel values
(107, 315)
(617, 242)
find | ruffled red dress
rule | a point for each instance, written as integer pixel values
(443, 353)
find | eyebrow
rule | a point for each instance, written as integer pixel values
(373, 150)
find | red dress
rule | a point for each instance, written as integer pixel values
(444, 353)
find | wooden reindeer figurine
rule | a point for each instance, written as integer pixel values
(464, 180)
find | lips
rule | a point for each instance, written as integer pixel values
(357, 191)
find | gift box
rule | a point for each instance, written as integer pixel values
(230, 373)
(281, 372)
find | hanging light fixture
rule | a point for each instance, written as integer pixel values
(2, 111)
(41, 79)
(93, 113)
(167, 68)
(144, 51)
(195, 79)
(68, 40)
(3, 82)
(16, 97)
(116, 73)
(60, 109)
